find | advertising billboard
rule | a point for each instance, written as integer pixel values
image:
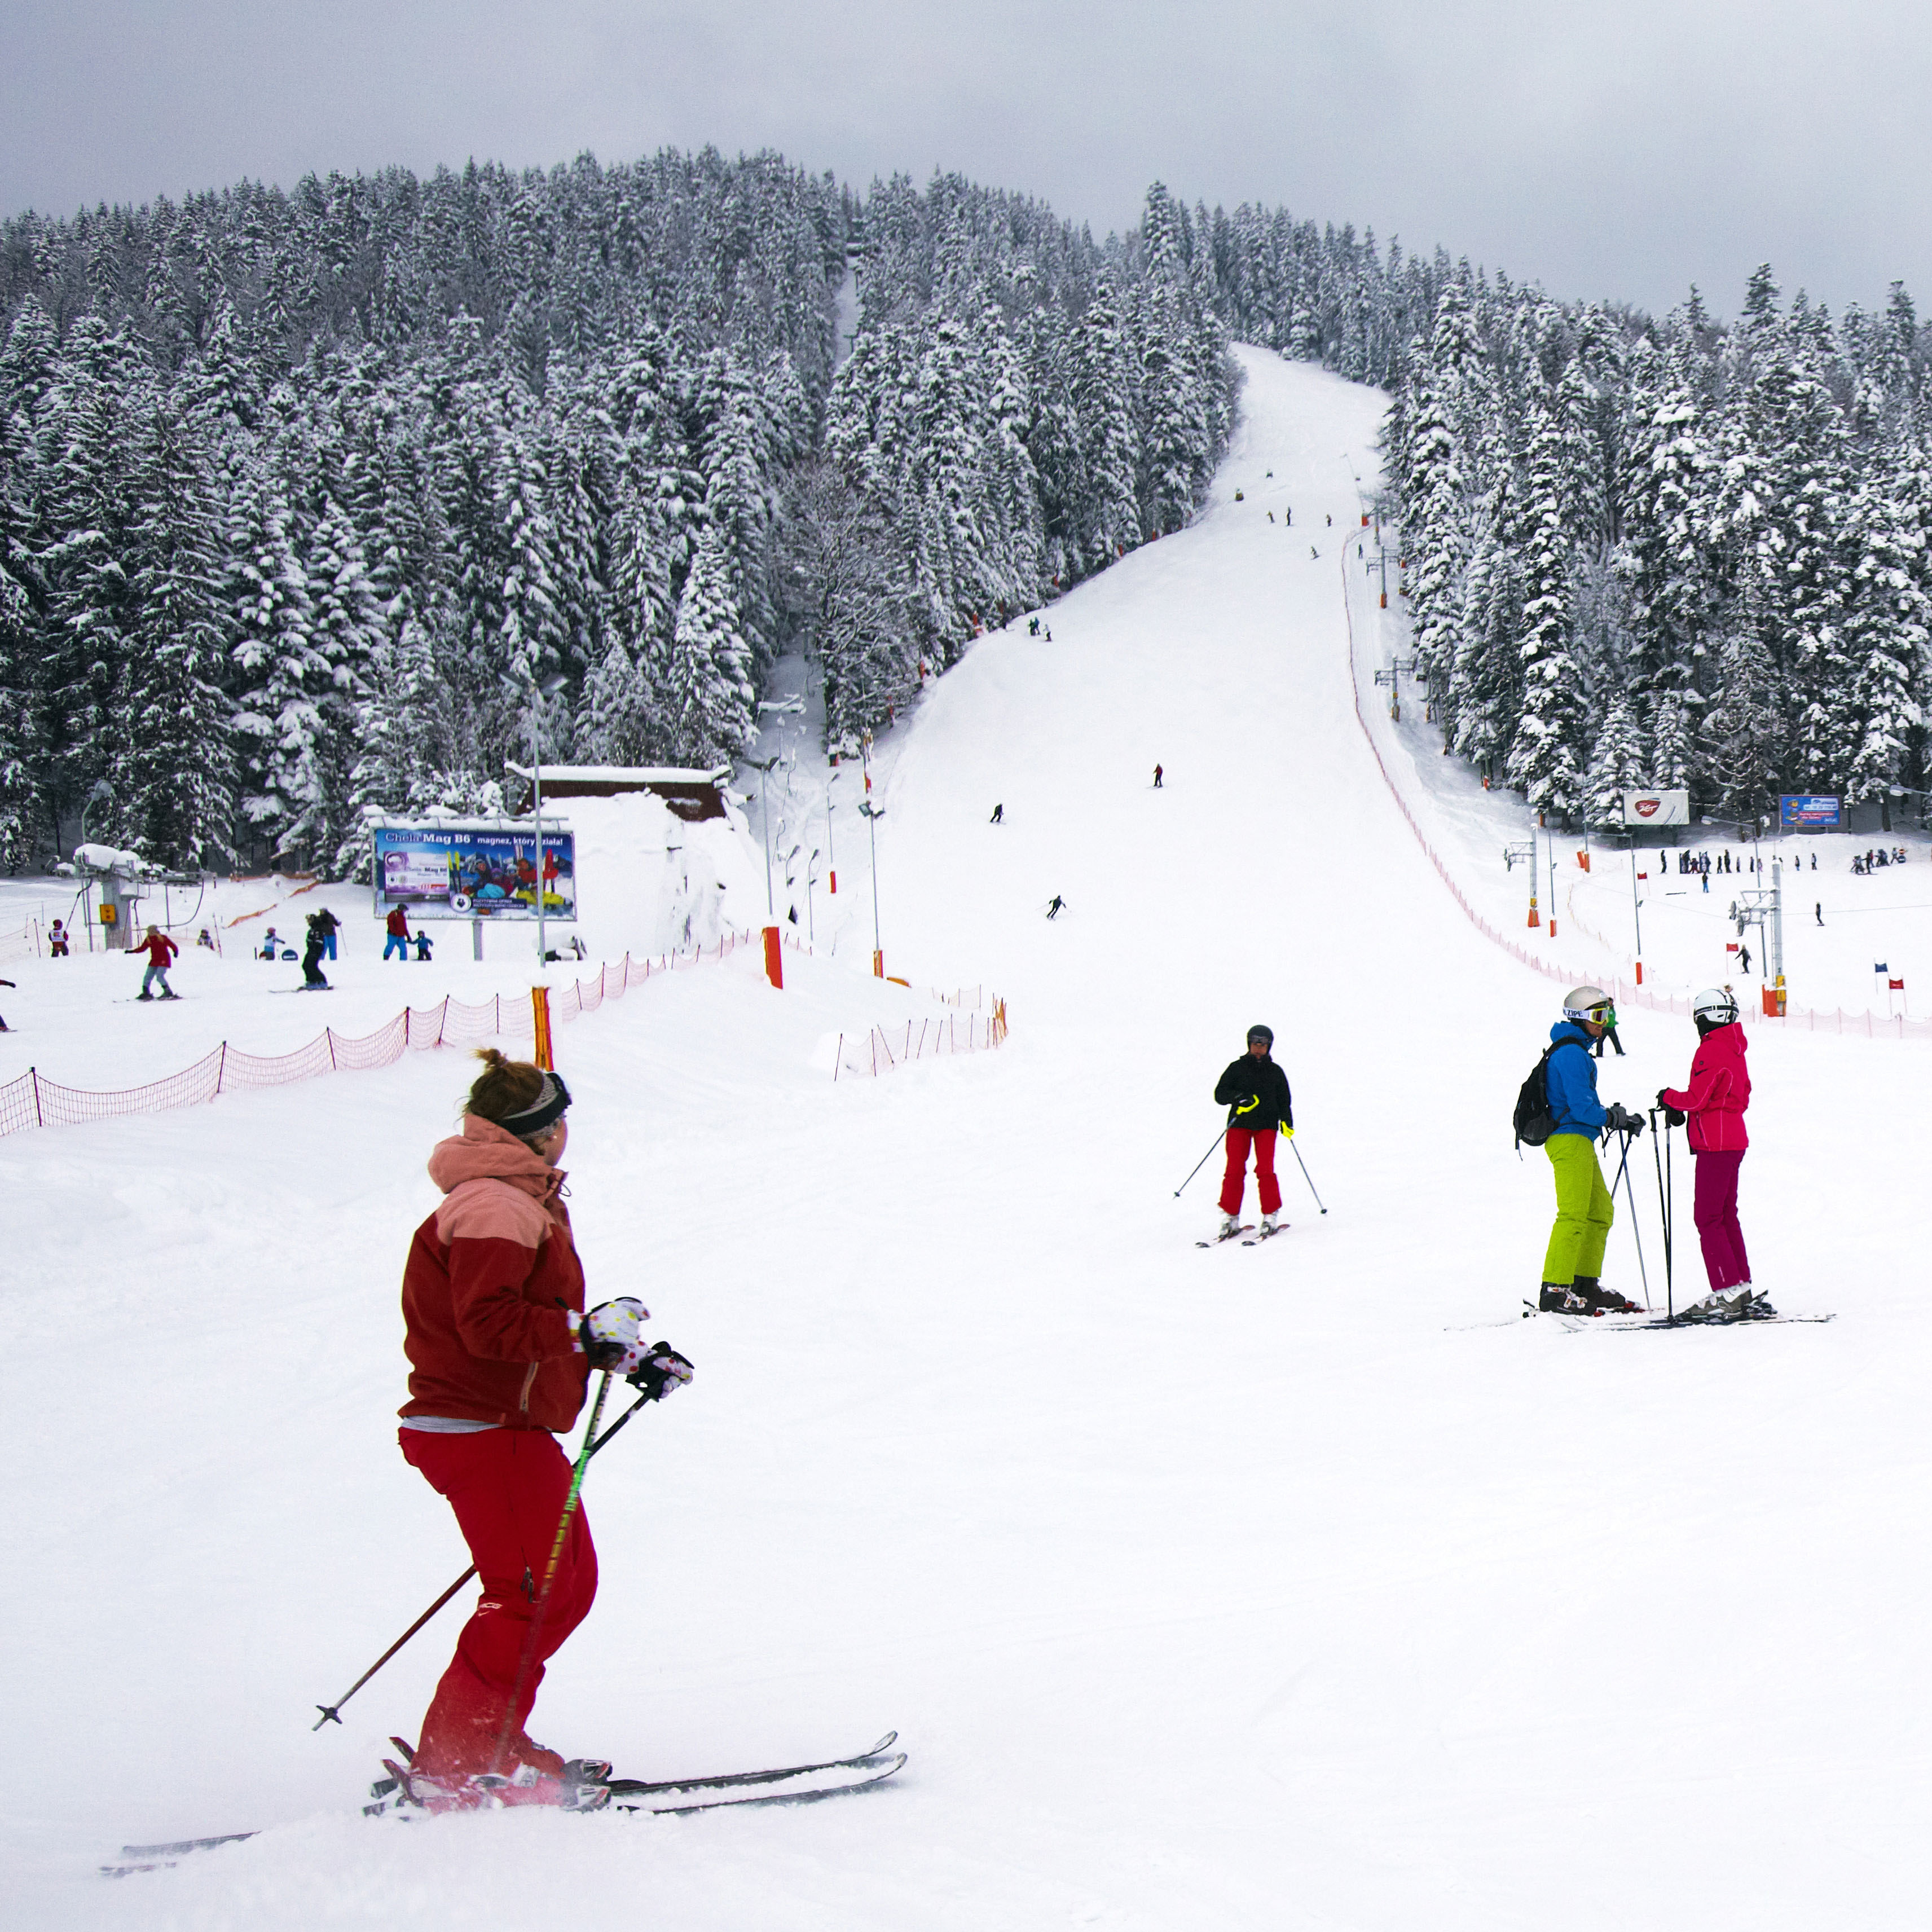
(1656, 807)
(1808, 811)
(473, 871)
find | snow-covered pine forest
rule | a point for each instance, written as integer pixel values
(1669, 553)
(303, 495)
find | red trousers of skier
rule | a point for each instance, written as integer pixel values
(507, 1486)
(1715, 1208)
(1239, 1139)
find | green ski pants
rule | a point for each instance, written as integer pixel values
(1584, 1210)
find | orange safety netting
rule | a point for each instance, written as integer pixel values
(33, 1101)
(881, 1049)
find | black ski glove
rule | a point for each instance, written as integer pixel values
(1674, 1116)
(1620, 1121)
(662, 1370)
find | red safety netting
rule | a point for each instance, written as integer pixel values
(33, 1101)
(1866, 1025)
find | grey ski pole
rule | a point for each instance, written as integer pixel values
(1630, 1194)
(1220, 1134)
(1663, 1201)
(1306, 1176)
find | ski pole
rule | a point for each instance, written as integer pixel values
(1303, 1165)
(1623, 1175)
(564, 1517)
(332, 1713)
(1219, 1133)
(1663, 1199)
(1670, 1223)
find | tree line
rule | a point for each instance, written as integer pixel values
(308, 500)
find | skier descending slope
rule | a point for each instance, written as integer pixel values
(1714, 1100)
(1254, 1091)
(1574, 1260)
(500, 1352)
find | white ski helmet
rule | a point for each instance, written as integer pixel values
(1718, 1004)
(1587, 1003)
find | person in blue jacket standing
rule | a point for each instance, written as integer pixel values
(1574, 1260)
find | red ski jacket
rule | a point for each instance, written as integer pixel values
(397, 923)
(493, 1289)
(1719, 1092)
(160, 949)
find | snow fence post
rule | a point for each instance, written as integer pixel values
(328, 1036)
(775, 957)
(540, 1017)
(40, 1119)
(222, 1068)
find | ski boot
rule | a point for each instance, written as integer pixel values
(1270, 1224)
(1599, 1300)
(494, 1791)
(1231, 1226)
(1559, 1298)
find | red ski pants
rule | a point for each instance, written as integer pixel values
(507, 1486)
(1239, 1139)
(1715, 1208)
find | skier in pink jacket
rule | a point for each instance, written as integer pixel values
(1713, 1103)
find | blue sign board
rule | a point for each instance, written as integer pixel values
(1809, 812)
(465, 872)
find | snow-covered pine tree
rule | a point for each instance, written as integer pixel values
(1545, 753)
(705, 686)
(280, 726)
(1616, 765)
(171, 761)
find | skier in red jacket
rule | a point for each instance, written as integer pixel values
(1713, 1103)
(160, 950)
(500, 1351)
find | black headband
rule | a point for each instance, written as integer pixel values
(543, 1111)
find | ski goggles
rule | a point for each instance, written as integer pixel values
(1604, 1016)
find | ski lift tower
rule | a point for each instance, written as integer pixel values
(1763, 906)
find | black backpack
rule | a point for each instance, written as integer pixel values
(1533, 1121)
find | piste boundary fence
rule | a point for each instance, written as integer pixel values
(1866, 1025)
(33, 1101)
(880, 1050)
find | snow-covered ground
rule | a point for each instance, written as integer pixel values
(1296, 1584)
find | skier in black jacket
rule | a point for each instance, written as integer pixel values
(1254, 1091)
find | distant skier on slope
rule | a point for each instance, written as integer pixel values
(397, 926)
(999, 815)
(57, 942)
(1255, 1091)
(1055, 906)
(1574, 1262)
(500, 1352)
(160, 950)
(1156, 778)
(1714, 1101)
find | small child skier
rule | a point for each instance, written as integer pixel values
(160, 950)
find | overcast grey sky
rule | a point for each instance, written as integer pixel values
(1624, 148)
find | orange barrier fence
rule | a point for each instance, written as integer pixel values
(1625, 992)
(880, 1050)
(33, 1101)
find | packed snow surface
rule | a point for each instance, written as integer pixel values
(1294, 1585)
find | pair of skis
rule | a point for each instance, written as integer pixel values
(792, 1784)
(1248, 1234)
(1579, 1323)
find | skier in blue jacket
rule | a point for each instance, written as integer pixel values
(1574, 1260)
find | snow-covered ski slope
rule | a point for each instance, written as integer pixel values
(1249, 1588)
